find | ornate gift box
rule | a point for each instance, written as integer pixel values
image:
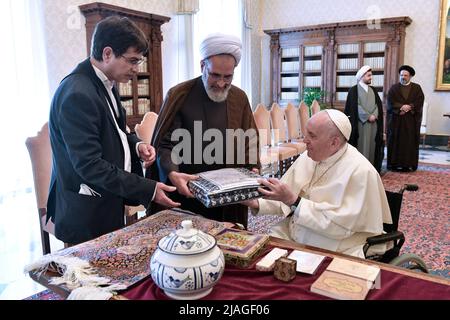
(285, 269)
(225, 186)
(240, 247)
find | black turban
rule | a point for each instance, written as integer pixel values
(410, 69)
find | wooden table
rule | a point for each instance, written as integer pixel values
(431, 279)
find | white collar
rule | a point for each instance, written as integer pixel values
(364, 85)
(405, 84)
(108, 83)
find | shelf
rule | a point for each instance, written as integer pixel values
(340, 50)
(347, 55)
(287, 59)
(373, 54)
(309, 58)
(291, 89)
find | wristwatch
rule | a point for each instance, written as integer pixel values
(295, 204)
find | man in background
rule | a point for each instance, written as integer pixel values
(404, 117)
(332, 197)
(91, 178)
(365, 111)
(205, 103)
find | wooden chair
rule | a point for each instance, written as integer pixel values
(41, 164)
(270, 155)
(293, 123)
(144, 131)
(303, 110)
(315, 107)
(279, 131)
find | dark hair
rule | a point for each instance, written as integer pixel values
(118, 33)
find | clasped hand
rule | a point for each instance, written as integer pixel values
(147, 154)
(405, 108)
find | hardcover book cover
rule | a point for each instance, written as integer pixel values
(346, 280)
(341, 286)
(240, 247)
(225, 186)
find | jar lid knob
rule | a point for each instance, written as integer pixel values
(187, 225)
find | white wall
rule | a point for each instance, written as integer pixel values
(66, 36)
(420, 47)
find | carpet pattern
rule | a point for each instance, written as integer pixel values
(425, 214)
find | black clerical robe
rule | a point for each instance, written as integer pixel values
(351, 110)
(404, 130)
(185, 105)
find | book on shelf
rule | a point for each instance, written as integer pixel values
(225, 186)
(346, 280)
(240, 247)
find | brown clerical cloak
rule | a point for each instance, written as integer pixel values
(404, 130)
(184, 104)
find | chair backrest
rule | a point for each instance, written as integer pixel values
(395, 204)
(303, 109)
(262, 120)
(41, 163)
(423, 125)
(315, 107)
(144, 130)
(278, 124)
(292, 121)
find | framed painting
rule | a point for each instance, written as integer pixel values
(443, 61)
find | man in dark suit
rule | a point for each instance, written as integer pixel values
(93, 156)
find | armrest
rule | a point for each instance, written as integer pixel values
(382, 238)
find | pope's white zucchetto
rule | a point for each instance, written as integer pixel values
(361, 72)
(219, 43)
(341, 121)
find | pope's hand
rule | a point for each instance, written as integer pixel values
(278, 191)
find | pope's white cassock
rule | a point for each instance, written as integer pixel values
(343, 202)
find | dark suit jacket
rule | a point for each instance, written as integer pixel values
(87, 150)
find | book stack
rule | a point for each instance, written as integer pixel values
(346, 280)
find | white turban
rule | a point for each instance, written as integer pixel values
(341, 121)
(362, 72)
(219, 43)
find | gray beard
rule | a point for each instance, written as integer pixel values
(214, 96)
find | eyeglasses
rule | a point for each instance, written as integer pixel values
(217, 77)
(134, 61)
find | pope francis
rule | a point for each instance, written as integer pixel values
(332, 196)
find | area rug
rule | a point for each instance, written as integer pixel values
(425, 214)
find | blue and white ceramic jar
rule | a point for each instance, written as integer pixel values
(187, 263)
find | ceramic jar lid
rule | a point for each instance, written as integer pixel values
(187, 241)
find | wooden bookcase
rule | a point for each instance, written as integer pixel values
(144, 92)
(327, 56)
